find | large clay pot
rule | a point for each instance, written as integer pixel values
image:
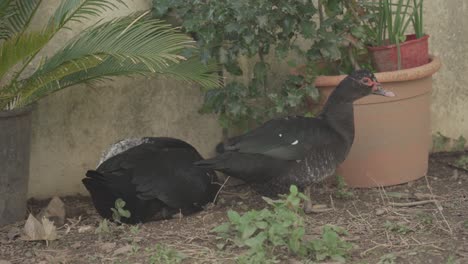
(15, 134)
(414, 53)
(393, 135)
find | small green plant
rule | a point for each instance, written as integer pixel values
(135, 229)
(425, 218)
(342, 191)
(262, 231)
(465, 224)
(280, 227)
(163, 254)
(439, 142)
(397, 227)
(118, 212)
(331, 245)
(387, 259)
(462, 162)
(459, 144)
(103, 228)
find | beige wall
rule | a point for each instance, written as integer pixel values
(72, 127)
(447, 24)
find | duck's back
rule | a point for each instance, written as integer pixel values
(293, 150)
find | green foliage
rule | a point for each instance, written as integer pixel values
(391, 18)
(387, 259)
(330, 245)
(118, 212)
(135, 44)
(163, 254)
(462, 162)
(104, 227)
(425, 218)
(280, 227)
(459, 144)
(229, 30)
(397, 227)
(342, 191)
(465, 224)
(439, 142)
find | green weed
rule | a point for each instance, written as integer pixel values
(397, 227)
(331, 245)
(118, 212)
(277, 228)
(163, 254)
(342, 188)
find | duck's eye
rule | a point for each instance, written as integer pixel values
(366, 81)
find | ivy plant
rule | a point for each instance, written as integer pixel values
(229, 30)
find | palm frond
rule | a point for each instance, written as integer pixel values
(80, 10)
(20, 47)
(150, 42)
(31, 87)
(195, 71)
(192, 70)
(16, 16)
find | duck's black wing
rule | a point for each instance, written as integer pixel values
(289, 138)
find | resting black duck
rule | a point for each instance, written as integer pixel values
(155, 176)
(297, 150)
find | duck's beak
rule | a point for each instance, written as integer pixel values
(378, 90)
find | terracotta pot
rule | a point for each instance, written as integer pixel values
(393, 135)
(414, 53)
(15, 130)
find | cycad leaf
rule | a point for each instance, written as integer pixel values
(150, 42)
(80, 10)
(21, 13)
(31, 87)
(191, 70)
(14, 50)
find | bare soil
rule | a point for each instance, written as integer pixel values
(435, 231)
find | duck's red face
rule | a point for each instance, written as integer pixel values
(376, 86)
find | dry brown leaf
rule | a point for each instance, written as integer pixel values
(123, 250)
(55, 211)
(35, 230)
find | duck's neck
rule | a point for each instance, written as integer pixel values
(339, 115)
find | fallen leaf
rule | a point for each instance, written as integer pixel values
(35, 230)
(55, 211)
(122, 250)
(85, 228)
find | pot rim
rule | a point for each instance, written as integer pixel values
(16, 112)
(410, 74)
(391, 46)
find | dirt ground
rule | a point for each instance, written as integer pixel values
(436, 231)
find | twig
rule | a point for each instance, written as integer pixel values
(332, 203)
(409, 204)
(438, 206)
(220, 188)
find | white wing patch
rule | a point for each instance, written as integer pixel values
(120, 147)
(280, 135)
(295, 142)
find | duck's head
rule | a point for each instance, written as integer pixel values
(361, 83)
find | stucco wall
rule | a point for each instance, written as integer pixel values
(72, 127)
(446, 22)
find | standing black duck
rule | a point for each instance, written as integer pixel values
(298, 150)
(155, 176)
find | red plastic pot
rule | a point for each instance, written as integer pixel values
(414, 53)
